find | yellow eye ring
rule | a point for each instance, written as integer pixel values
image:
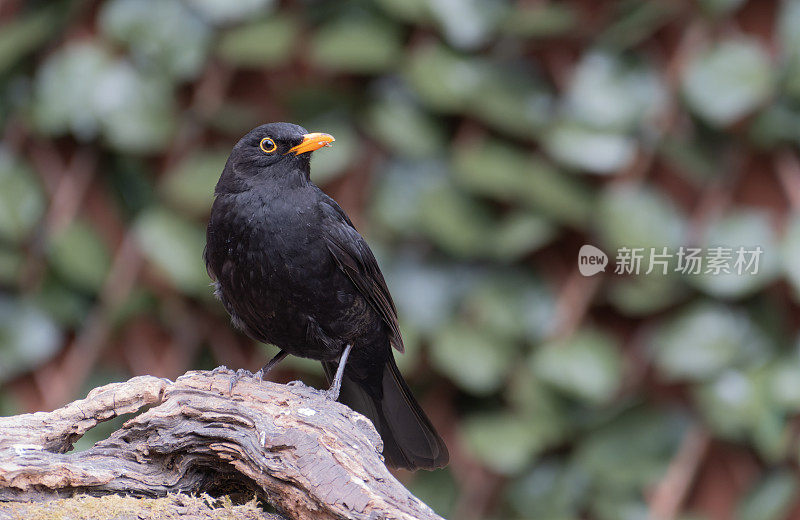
(268, 145)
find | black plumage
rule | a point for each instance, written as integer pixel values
(291, 270)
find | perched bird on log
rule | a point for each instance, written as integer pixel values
(291, 270)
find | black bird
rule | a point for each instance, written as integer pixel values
(291, 270)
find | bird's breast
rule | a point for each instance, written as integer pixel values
(278, 279)
(270, 240)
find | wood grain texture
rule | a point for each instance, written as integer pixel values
(309, 457)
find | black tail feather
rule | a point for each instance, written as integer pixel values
(409, 439)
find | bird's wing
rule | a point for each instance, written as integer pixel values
(355, 259)
(209, 269)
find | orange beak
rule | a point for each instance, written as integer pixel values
(312, 142)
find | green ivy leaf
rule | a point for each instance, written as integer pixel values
(787, 22)
(740, 229)
(607, 94)
(175, 247)
(438, 489)
(645, 294)
(222, 12)
(65, 90)
(25, 34)
(784, 383)
(21, 199)
(11, 262)
(503, 442)
(400, 191)
(638, 217)
(81, 90)
(705, 339)
(262, 43)
(642, 441)
(511, 101)
(190, 186)
(136, 111)
(595, 151)
(586, 365)
(426, 293)
(455, 222)
(771, 498)
(414, 11)
(552, 489)
(364, 45)
(737, 406)
(164, 36)
(28, 337)
(721, 7)
(499, 171)
(728, 81)
(518, 234)
(790, 253)
(545, 20)
(80, 256)
(475, 359)
(400, 124)
(631, 22)
(468, 23)
(444, 80)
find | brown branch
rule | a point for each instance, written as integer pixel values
(788, 168)
(573, 301)
(307, 456)
(64, 381)
(671, 491)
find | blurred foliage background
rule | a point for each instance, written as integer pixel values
(479, 144)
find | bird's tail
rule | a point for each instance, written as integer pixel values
(409, 439)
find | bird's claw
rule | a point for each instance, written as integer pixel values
(236, 377)
(332, 393)
(222, 369)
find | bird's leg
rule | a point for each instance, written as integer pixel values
(333, 392)
(258, 375)
(270, 365)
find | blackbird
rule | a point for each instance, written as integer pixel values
(291, 270)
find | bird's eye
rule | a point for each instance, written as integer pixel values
(268, 145)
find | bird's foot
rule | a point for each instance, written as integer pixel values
(222, 369)
(270, 365)
(236, 377)
(332, 393)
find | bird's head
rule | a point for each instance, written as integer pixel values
(273, 150)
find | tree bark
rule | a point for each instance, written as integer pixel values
(288, 445)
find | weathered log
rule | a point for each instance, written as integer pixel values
(119, 507)
(288, 445)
